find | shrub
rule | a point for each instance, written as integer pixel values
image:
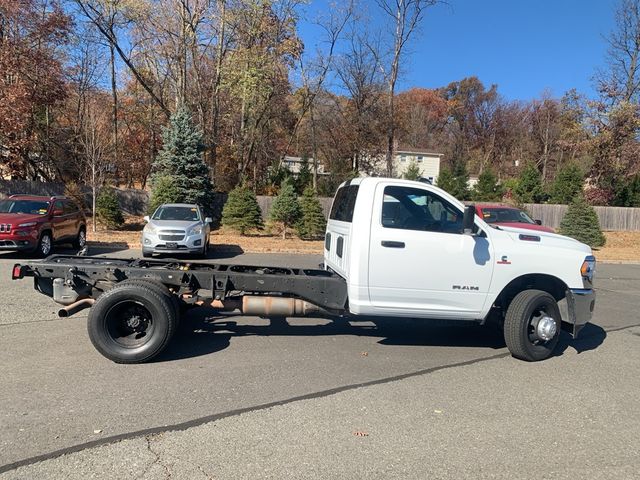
(581, 222)
(412, 172)
(312, 224)
(242, 212)
(285, 209)
(488, 189)
(163, 190)
(108, 209)
(567, 184)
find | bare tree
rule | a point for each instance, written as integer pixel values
(621, 82)
(405, 15)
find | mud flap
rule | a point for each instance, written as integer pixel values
(576, 309)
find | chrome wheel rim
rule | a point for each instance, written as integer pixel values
(82, 238)
(45, 244)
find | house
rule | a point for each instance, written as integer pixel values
(293, 164)
(428, 163)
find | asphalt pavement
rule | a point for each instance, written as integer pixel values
(244, 397)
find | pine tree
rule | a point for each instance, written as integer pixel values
(108, 209)
(567, 184)
(413, 171)
(242, 212)
(285, 209)
(628, 194)
(304, 176)
(581, 222)
(529, 188)
(312, 224)
(445, 179)
(163, 190)
(181, 159)
(488, 189)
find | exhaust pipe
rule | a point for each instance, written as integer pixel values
(75, 307)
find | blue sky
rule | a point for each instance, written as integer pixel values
(524, 46)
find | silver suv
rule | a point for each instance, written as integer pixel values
(176, 228)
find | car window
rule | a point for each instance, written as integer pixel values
(415, 209)
(32, 207)
(344, 203)
(58, 205)
(505, 215)
(185, 214)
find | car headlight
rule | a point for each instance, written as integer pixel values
(197, 230)
(28, 224)
(149, 228)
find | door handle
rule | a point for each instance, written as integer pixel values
(391, 244)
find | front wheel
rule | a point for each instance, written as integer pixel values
(45, 245)
(132, 322)
(532, 325)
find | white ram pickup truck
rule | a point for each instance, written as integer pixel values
(409, 249)
(393, 248)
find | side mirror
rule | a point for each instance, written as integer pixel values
(468, 219)
(57, 213)
(146, 218)
(538, 222)
(208, 220)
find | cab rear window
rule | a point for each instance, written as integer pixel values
(344, 203)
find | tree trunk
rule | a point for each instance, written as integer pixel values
(114, 94)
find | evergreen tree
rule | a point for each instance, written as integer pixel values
(413, 171)
(181, 159)
(163, 190)
(488, 189)
(581, 222)
(628, 194)
(445, 179)
(529, 188)
(567, 184)
(242, 212)
(285, 209)
(108, 209)
(312, 224)
(305, 176)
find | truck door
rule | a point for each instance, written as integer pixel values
(420, 260)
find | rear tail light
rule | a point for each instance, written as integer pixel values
(17, 273)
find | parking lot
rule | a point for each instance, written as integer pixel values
(247, 397)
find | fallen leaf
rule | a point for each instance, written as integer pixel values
(361, 434)
(364, 354)
(97, 431)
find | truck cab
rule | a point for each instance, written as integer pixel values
(403, 250)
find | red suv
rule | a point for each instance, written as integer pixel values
(35, 223)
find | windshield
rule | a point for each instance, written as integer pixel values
(185, 214)
(505, 215)
(33, 207)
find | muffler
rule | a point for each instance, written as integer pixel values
(277, 307)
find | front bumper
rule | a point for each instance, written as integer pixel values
(577, 308)
(17, 242)
(151, 243)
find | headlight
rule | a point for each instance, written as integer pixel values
(28, 224)
(588, 268)
(149, 228)
(197, 230)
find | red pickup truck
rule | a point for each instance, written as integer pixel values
(34, 223)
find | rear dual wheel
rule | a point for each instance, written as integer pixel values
(532, 325)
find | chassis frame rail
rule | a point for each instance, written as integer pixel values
(320, 287)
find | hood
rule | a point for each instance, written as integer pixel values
(546, 239)
(528, 226)
(15, 219)
(174, 224)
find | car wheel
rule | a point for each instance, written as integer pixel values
(45, 245)
(532, 325)
(81, 240)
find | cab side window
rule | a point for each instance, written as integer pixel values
(58, 205)
(410, 208)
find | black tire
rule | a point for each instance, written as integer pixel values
(81, 239)
(45, 245)
(519, 325)
(131, 323)
(161, 289)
